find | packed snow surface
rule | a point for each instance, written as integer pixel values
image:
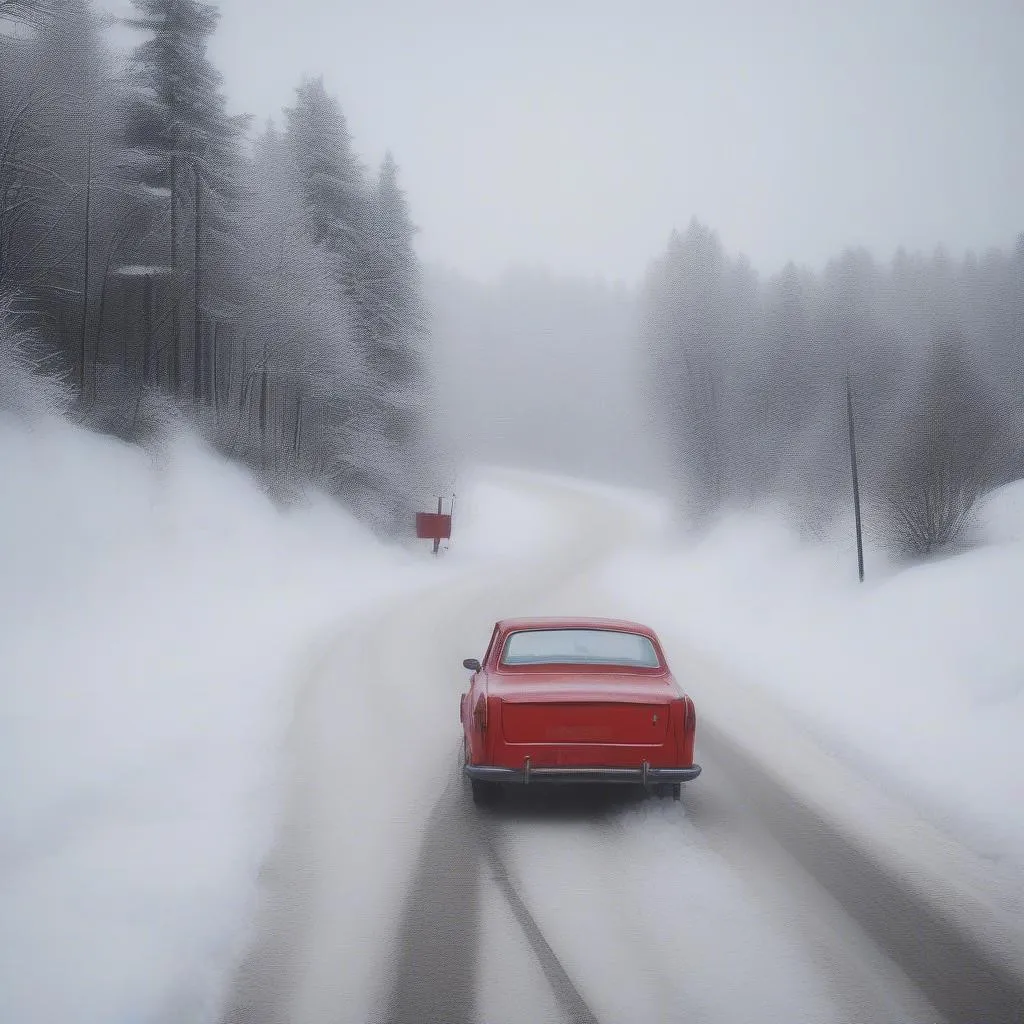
(158, 620)
(155, 614)
(914, 677)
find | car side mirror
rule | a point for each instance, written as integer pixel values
(472, 664)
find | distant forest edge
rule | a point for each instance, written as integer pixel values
(161, 267)
(751, 380)
(156, 266)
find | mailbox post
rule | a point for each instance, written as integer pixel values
(435, 526)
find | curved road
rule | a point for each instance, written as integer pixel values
(391, 898)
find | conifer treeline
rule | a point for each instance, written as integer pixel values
(749, 380)
(269, 291)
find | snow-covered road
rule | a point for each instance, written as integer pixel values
(391, 898)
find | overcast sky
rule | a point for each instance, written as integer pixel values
(575, 135)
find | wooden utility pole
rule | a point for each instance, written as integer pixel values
(437, 540)
(856, 482)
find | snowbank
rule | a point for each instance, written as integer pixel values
(491, 518)
(916, 676)
(152, 615)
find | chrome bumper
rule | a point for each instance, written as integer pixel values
(644, 775)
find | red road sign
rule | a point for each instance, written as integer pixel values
(433, 526)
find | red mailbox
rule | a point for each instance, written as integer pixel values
(435, 526)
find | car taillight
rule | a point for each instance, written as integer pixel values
(689, 729)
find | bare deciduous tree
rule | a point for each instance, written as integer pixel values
(748, 383)
(946, 456)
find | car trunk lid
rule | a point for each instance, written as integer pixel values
(591, 707)
(584, 722)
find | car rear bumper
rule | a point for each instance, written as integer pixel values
(644, 775)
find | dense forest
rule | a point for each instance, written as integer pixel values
(758, 382)
(160, 261)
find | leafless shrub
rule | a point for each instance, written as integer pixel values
(947, 455)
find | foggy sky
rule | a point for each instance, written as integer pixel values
(575, 135)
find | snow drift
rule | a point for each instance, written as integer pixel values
(154, 610)
(915, 677)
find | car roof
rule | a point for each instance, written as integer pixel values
(573, 622)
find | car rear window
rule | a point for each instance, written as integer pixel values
(579, 647)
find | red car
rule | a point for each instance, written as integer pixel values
(576, 700)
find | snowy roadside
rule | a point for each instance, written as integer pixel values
(152, 615)
(895, 706)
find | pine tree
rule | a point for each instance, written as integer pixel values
(298, 324)
(391, 331)
(184, 158)
(793, 359)
(51, 86)
(330, 175)
(687, 327)
(368, 235)
(335, 203)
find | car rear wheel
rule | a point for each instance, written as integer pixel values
(669, 789)
(486, 794)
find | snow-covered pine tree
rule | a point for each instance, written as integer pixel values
(185, 161)
(391, 332)
(300, 356)
(686, 319)
(368, 234)
(331, 176)
(53, 108)
(335, 204)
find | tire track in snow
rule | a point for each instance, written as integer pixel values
(314, 958)
(965, 982)
(568, 995)
(670, 984)
(574, 855)
(438, 942)
(437, 955)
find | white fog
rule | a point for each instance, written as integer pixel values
(703, 323)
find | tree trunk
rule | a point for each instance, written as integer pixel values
(215, 371)
(197, 335)
(264, 399)
(856, 481)
(229, 358)
(147, 339)
(243, 379)
(85, 274)
(125, 310)
(101, 313)
(263, 403)
(174, 360)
